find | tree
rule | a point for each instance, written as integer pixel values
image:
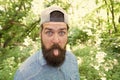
(14, 30)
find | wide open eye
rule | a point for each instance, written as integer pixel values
(49, 33)
(62, 33)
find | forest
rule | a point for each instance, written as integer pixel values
(94, 35)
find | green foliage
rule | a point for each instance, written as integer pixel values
(111, 42)
(14, 30)
(87, 71)
(64, 4)
(10, 62)
(77, 36)
(8, 68)
(12, 58)
(114, 74)
(95, 65)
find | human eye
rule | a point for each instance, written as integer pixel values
(49, 33)
(62, 33)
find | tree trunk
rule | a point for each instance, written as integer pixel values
(113, 16)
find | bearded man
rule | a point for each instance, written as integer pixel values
(53, 61)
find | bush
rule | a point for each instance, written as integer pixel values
(11, 58)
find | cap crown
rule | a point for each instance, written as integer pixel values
(46, 15)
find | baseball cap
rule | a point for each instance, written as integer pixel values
(54, 14)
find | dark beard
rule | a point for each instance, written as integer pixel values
(50, 58)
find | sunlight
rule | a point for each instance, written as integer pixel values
(100, 57)
(37, 6)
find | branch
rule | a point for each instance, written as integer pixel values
(113, 16)
(33, 25)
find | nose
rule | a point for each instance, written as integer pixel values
(55, 39)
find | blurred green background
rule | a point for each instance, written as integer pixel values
(94, 35)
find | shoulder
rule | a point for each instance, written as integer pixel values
(70, 66)
(70, 59)
(70, 55)
(28, 67)
(30, 60)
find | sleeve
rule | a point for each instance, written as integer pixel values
(18, 75)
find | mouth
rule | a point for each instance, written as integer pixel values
(55, 52)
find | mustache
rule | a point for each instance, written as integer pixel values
(55, 46)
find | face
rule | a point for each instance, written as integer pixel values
(54, 40)
(54, 33)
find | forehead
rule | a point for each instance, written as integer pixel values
(55, 25)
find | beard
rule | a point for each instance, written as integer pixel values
(49, 56)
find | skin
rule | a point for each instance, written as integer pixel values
(54, 33)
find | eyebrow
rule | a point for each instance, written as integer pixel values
(48, 29)
(63, 29)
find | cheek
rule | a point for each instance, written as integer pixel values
(64, 41)
(46, 41)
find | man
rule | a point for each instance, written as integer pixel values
(53, 62)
